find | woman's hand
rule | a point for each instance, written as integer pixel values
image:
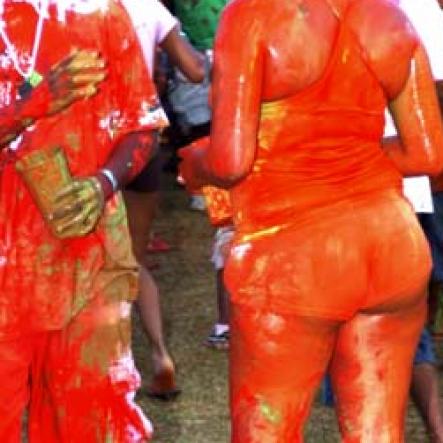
(78, 207)
(74, 78)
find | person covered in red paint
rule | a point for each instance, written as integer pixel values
(77, 115)
(328, 265)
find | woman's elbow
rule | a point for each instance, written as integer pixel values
(196, 73)
(435, 167)
(430, 164)
(227, 178)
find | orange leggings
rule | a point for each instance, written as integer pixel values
(277, 362)
(78, 382)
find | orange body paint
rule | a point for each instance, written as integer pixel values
(328, 265)
(65, 304)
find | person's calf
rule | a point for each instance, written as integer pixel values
(424, 390)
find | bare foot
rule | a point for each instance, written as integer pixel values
(163, 384)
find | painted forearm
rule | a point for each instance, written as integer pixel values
(237, 89)
(419, 148)
(21, 113)
(409, 165)
(132, 153)
(11, 126)
(195, 168)
(73, 78)
(204, 175)
(16, 117)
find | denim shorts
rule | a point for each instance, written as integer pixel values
(425, 352)
(432, 225)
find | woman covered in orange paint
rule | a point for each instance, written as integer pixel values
(328, 265)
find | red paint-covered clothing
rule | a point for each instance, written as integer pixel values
(45, 281)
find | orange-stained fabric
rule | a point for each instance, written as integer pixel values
(319, 146)
(323, 202)
(277, 362)
(45, 281)
(83, 380)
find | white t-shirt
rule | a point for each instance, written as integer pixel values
(427, 18)
(152, 23)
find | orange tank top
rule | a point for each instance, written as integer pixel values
(319, 146)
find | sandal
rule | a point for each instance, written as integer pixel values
(157, 244)
(218, 341)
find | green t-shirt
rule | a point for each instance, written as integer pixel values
(199, 19)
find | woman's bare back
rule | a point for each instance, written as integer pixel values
(297, 39)
(267, 51)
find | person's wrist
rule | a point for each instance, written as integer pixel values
(106, 186)
(36, 105)
(28, 114)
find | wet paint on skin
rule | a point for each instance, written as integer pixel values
(61, 300)
(324, 237)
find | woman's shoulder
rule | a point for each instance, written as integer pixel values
(248, 9)
(382, 25)
(388, 38)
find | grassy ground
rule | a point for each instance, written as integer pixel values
(186, 280)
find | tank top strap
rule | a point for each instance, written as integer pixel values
(343, 25)
(339, 15)
(340, 40)
(345, 38)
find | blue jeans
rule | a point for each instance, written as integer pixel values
(425, 353)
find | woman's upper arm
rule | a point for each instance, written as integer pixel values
(236, 92)
(416, 114)
(184, 56)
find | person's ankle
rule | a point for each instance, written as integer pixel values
(161, 357)
(221, 328)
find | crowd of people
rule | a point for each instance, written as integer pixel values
(328, 228)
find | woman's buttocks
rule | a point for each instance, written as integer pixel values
(334, 261)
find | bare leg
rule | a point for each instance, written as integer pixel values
(424, 391)
(219, 336)
(222, 299)
(141, 209)
(276, 364)
(148, 304)
(435, 320)
(371, 373)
